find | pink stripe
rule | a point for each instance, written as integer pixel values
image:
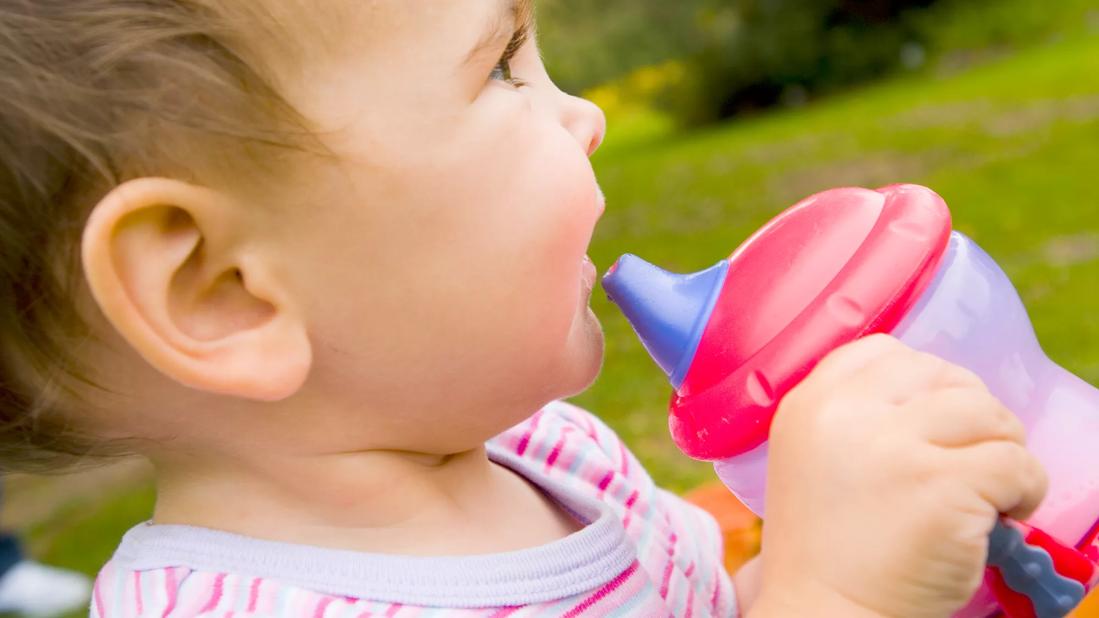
(625, 459)
(667, 580)
(568, 456)
(525, 440)
(690, 569)
(137, 593)
(229, 614)
(610, 587)
(668, 567)
(253, 594)
(632, 499)
(98, 594)
(170, 589)
(215, 597)
(393, 609)
(629, 506)
(507, 611)
(555, 453)
(606, 480)
(690, 601)
(591, 429)
(717, 590)
(323, 605)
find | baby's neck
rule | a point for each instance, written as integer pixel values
(373, 501)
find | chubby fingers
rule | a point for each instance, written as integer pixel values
(1004, 474)
(963, 416)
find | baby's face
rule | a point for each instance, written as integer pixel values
(441, 260)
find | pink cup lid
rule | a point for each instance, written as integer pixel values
(837, 266)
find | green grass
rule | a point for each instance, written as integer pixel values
(1013, 146)
(82, 535)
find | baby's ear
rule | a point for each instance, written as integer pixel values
(169, 267)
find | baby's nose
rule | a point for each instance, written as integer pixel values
(585, 120)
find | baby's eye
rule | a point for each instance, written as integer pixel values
(502, 70)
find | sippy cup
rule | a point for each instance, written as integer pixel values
(735, 338)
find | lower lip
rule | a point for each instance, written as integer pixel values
(588, 273)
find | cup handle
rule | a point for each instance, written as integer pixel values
(1030, 586)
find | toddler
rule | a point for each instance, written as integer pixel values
(323, 264)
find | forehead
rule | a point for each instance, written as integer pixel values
(300, 34)
(371, 61)
(376, 24)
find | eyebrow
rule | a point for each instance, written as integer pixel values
(514, 14)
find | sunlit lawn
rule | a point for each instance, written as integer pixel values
(1013, 146)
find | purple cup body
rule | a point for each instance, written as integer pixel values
(972, 316)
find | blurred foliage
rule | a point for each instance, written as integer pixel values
(759, 52)
(588, 43)
(711, 59)
(961, 27)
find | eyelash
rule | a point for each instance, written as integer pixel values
(502, 70)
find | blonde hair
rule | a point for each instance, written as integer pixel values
(95, 92)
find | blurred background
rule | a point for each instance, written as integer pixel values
(724, 112)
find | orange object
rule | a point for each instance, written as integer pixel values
(1088, 609)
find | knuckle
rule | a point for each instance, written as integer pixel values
(889, 347)
(1041, 484)
(987, 405)
(1035, 474)
(833, 358)
(997, 461)
(940, 468)
(940, 369)
(966, 377)
(1002, 421)
(871, 345)
(1012, 458)
(1013, 428)
(923, 465)
(957, 375)
(881, 340)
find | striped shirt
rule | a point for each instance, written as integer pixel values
(642, 552)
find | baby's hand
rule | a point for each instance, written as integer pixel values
(888, 468)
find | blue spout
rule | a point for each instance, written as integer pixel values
(668, 311)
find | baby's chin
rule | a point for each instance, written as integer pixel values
(587, 347)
